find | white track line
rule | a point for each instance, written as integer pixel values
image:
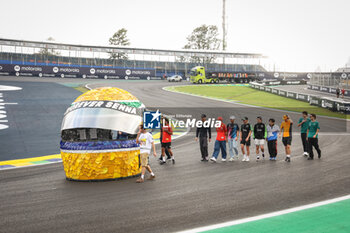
(264, 216)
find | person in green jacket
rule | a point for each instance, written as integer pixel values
(312, 137)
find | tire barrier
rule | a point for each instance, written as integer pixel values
(323, 102)
(98, 136)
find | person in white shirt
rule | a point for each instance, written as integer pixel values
(146, 142)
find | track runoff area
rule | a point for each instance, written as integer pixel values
(299, 219)
(334, 214)
(325, 216)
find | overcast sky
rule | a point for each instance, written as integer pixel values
(297, 35)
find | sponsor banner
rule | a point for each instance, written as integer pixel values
(291, 95)
(314, 87)
(274, 91)
(273, 83)
(329, 104)
(314, 100)
(268, 89)
(293, 82)
(282, 93)
(288, 75)
(77, 72)
(284, 82)
(262, 88)
(332, 90)
(260, 75)
(302, 97)
(324, 89)
(155, 78)
(342, 107)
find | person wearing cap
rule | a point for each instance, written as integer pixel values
(312, 137)
(304, 122)
(233, 134)
(220, 142)
(246, 132)
(272, 133)
(203, 132)
(286, 129)
(259, 137)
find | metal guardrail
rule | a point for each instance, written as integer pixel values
(323, 102)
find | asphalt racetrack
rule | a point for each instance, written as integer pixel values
(186, 195)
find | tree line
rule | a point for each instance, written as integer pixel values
(204, 37)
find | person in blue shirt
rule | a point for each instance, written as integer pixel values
(303, 123)
(312, 137)
(233, 135)
(272, 134)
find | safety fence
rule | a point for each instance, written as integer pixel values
(331, 90)
(323, 102)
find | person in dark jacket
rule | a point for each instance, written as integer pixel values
(259, 137)
(203, 133)
(338, 92)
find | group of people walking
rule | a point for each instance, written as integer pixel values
(235, 136)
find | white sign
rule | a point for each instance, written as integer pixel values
(3, 113)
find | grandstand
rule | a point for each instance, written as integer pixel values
(163, 62)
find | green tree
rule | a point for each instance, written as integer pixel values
(120, 39)
(205, 37)
(47, 51)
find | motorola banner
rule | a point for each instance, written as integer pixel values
(77, 72)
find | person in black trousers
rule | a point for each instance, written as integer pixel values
(160, 139)
(304, 122)
(312, 137)
(203, 132)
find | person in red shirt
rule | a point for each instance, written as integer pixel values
(342, 92)
(220, 142)
(166, 141)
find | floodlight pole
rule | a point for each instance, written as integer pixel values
(223, 27)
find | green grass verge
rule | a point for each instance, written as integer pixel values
(247, 95)
(328, 218)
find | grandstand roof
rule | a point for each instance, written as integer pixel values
(129, 50)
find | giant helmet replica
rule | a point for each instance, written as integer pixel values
(98, 135)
